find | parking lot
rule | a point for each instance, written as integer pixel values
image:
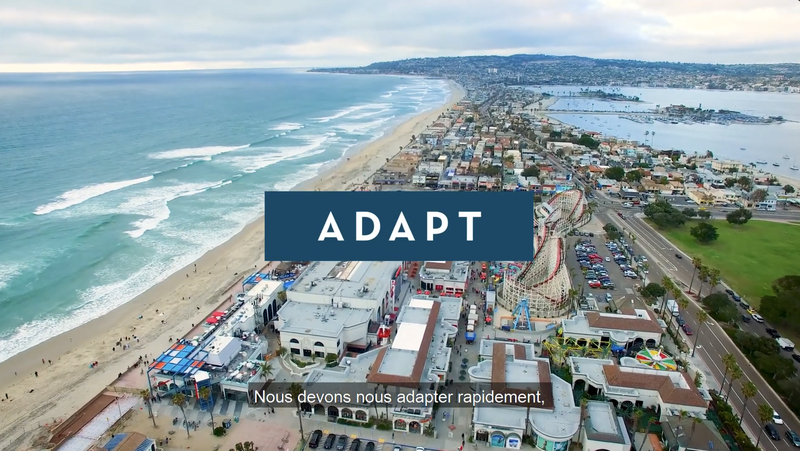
(599, 270)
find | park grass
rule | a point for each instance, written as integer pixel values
(750, 257)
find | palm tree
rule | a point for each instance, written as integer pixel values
(146, 397)
(697, 263)
(179, 399)
(666, 282)
(729, 361)
(650, 424)
(713, 278)
(702, 317)
(736, 373)
(205, 395)
(749, 390)
(296, 390)
(572, 294)
(636, 415)
(765, 414)
(703, 273)
(266, 370)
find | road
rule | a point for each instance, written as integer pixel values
(713, 341)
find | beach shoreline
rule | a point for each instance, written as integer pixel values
(64, 381)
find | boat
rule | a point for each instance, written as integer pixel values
(786, 157)
(794, 168)
(775, 164)
(742, 148)
(761, 162)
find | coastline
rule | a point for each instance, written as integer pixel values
(168, 309)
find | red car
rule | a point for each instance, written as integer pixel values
(595, 284)
(686, 329)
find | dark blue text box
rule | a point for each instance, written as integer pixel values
(295, 221)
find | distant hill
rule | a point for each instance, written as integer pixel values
(550, 69)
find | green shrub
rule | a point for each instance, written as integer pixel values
(219, 431)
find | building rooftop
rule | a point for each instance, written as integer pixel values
(522, 351)
(674, 387)
(603, 425)
(691, 435)
(628, 323)
(456, 271)
(319, 319)
(345, 279)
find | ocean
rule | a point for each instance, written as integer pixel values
(761, 142)
(111, 182)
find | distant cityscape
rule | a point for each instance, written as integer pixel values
(575, 70)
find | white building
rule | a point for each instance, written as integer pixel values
(637, 327)
(446, 278)
(552, 423)
(316, 330)
(418, 355)
(667, 392)
(603, 429)
(359, 285)
(264, 297)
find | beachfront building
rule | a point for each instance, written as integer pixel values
(445, 278)
(552, 423)
(544, 283)
(226, 352)
(667, 392)
(316, 330)
(633, 327)
(603, 429)
(727, 166)
(264, 298)
(351, 284)
(417, 355)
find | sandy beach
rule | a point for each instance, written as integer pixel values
(48, 382)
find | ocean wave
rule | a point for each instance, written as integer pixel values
(362, 128)
(371, 113)
(154, 204)
(252, 163)
(81, 195)
(287, 126)
(8, 271)
(306, 173)
(193, 152)
(352, 109)
(389, 94)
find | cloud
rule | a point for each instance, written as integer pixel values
(48, 35)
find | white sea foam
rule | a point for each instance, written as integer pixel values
(307, 172)
(81, 195)
(154, 204)
(287, 126)
(389, 94)
(252, 163)
(195, 152)
(362, 128)
(352, 109)
(7, 272)
(368, 114)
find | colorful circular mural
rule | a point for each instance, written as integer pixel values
(657, 359)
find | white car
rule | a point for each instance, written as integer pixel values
(776, 418)
(689, 201)
(757, 318)
(608, 259)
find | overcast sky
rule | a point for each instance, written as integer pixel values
(80, 35)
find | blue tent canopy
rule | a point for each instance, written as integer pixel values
(181, 360)
(288, 284)
(255, 278)
(470, 336)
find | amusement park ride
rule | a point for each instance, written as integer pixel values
(521, 312)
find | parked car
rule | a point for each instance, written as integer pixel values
(313, 441)
(772, 431)
(796, 357)
(737, 298)
(355, 445)
(745, 305)
(686, 329)
(329, 441)
(680, 321)
(370, 446)
(776, 418)
(341, 443)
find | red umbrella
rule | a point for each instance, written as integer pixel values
(211, 320)
(218, 314)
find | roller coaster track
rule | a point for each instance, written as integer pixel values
(545, 281)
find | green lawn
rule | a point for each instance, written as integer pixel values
(749, 257)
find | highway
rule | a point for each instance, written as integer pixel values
(713, 341)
